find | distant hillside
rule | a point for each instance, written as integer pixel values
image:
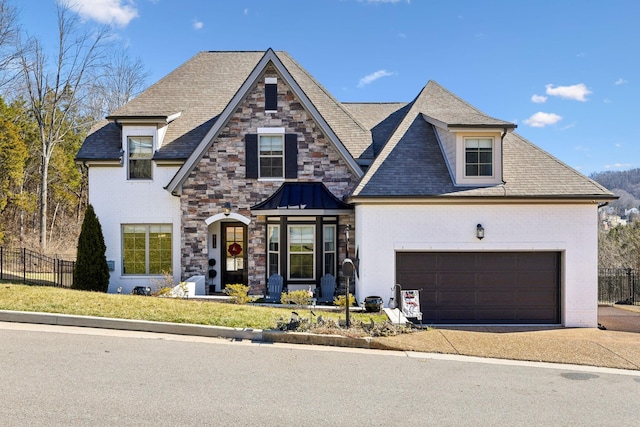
(625, 184)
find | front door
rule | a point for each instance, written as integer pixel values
(234, 254)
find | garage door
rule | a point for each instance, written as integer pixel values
(486, 287)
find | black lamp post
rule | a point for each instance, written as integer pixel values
(348, 269)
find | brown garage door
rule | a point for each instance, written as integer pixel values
(484, 287)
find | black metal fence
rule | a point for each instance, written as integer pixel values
(618, 286)
(25, 266)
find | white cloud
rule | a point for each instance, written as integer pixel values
(575, 92)
(540, 119)
(539, 99)
(620, 81)
(197, 25)
(373, 77)
(619, 166)
(112, 12)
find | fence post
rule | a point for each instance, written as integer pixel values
(1, 263)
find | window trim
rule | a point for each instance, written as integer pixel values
(478, 150)
(147, 226)
(496, 155)
(272, 132)
(133, 132)
(273, 228)
(334, 236)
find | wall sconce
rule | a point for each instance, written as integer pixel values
(479, 232)
(227, 208)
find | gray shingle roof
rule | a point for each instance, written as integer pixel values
(407, 159)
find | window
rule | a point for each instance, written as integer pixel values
(146, 249)
(330, 249)
(140, 154)
(478, 157)
(271, 94)
(273, 249)
(271, 152)
(301, 251)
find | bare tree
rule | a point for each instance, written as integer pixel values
(8, 36)
(121, 80)
(56, 91)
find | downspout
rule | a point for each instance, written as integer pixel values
(504, 133)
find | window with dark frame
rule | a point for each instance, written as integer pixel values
(478, 157)
(140, 153)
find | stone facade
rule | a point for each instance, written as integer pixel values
(220, 177)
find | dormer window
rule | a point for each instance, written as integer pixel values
(140, 153)
(478, 154)
(271, 94)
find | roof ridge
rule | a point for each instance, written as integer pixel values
(389, 145)
(325, 91)
(476, 109)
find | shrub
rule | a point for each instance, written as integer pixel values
(91, 270)
(298, 298)
(239, 293)
(340, 300)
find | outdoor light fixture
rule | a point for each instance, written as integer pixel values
(227, 209)
(479, 232)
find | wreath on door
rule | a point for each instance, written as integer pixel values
(234, 249)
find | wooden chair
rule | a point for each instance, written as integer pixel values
(274, 288)
(327, 288)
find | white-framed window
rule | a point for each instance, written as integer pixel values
(146, 249)
(139, 155)
(301, 244)
(478, 154)
(271, 155)
(273, 249)
(329, 237)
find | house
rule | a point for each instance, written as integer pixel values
(239, 165)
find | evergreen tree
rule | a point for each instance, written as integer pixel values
(91, 271)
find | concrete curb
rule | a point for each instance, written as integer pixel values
(130, 325)
(272, 336)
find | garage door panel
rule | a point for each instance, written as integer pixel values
(496, 279)
(457, 261)
(484, 287)
(496, 298)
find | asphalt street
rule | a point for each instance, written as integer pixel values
(62, 375)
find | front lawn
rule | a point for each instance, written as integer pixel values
(66, 301)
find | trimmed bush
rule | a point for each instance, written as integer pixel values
(238, 292)
(91, 271)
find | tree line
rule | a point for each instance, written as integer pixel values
(49, 100)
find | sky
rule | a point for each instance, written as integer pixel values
(566, 72)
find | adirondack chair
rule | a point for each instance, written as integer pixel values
(274, 288)
(327, 288)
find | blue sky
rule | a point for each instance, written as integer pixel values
(567, 72)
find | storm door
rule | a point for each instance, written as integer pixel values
(234, 254)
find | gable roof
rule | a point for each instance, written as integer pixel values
(411, 163)
(269, 57)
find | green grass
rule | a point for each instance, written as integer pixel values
(66, 301)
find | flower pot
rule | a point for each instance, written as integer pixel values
(373, 304)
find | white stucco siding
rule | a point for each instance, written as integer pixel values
(570, 229)
(118, 201)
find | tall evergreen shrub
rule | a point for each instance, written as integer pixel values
(91, 270)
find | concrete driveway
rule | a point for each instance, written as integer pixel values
(623, 318)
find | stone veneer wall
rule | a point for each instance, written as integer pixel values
(219, 177)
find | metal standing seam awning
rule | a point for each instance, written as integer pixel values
(302, 198)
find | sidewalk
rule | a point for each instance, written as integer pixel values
(582, 346)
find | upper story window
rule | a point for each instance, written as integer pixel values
(271, 152)
(271, 94)
(478, 157)
(140, 153)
